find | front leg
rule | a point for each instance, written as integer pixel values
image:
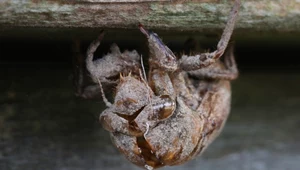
(117, 123)
(189, 63)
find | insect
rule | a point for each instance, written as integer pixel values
(171, 115)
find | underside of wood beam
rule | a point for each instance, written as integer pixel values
(180, 15)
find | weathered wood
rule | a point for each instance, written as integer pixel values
(257, 15)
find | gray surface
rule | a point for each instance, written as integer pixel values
(44, 127)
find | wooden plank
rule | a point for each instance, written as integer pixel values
(257, 15)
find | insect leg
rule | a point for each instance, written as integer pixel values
(230, 72)
(189, 63)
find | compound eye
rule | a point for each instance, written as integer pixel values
(165, 108)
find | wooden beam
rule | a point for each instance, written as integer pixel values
(190, 15)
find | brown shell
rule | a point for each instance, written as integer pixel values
(182, 136)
